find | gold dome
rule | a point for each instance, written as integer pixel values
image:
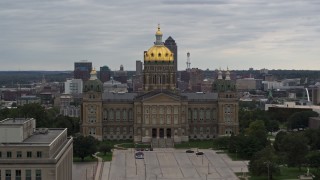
(158, 53)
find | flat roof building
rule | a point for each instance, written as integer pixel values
(30, 153)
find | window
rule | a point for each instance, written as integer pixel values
(28, 174)
(18, 174)
(124, 115)
(8, 174)
(38, 174)
(19, 154)
(9, 154)
(111, 116)
(201, 114)
(118, 115)
(29, 154)
(208, 114)
(39, 154)
(195, 114)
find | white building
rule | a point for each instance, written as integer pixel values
(115, 86)
(30, 153)
(73, 86)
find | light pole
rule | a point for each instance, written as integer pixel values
(236, 154)
(268, 166)
(145, 171)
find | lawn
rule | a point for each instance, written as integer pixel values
(285, 173)
(105, 157)
(132, 145)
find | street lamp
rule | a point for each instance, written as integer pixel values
(268, 166)
(145, 171)
(236, 154)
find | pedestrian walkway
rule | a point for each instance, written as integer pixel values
(99, 168)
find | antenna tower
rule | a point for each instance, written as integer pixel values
(188, 61)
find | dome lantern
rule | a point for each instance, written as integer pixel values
(158, 36)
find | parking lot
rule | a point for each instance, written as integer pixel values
(172, 164)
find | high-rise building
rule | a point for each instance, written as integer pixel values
(82, 70)
(73, 86)
(138, 67)
(170, 43)
(105, 74)
(30, 153)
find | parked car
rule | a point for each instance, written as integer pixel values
(189, 151)
(139, 155)
(199, 153)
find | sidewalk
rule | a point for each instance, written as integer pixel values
(99, 168)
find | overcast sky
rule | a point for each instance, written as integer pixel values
(239, 34)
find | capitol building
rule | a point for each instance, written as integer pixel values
(160, 115)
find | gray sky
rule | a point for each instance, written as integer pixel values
(53, 34)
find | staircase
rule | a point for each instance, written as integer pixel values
(169, 143)
(154, 143)
(162, 143)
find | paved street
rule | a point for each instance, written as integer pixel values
(171, 164)
(83, 171)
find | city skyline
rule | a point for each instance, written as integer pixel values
(52, 35)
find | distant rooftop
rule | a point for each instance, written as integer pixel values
(14, 121)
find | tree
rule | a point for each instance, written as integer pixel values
(258, 130)
(313, 159)
(264, 162)
(272, 125)
(104, 148)
(278, 140)
(300, 119)
(313, 136)
(84, 146)
(296, 148)
(67, 122)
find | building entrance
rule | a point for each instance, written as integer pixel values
(161, 133)
(154, 133)
(169, 133)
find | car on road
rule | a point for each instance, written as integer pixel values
(199, 153)
(189, 151)
(139, 155)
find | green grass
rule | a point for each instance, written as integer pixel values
(86, 159)
(132, 145)
(127, 145)
(235, 157)
(105, 157)
(285, 173)
(112, 143)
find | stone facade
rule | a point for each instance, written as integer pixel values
(160, 111)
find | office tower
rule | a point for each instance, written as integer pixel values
(82, 70)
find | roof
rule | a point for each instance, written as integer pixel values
(158, 91)
(15, 121)
(44, 138)
(201, 96)
(118, 96)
